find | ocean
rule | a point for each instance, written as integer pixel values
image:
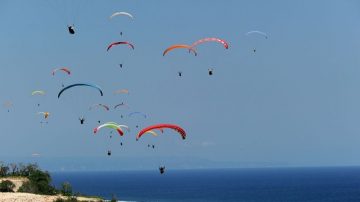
(224, 185)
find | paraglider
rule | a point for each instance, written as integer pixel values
(190, 48)
(81, 84)
(122, 91)
(71, 29)
(7, 105)
(210, 72)
(223, 42)
(109, 153)
(106, 108)
(64, 69)
(112, 125)
(120, 42)
(162, 169)
(180, 73)
(121, 13)
(46, 114)
(38, 92)
(121, 104)
(259, 33)
(177, 128)
(81, 119)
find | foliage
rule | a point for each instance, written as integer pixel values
(7, 186)
(113, 199)
(70, 199)
(39, 183)
(66, 189)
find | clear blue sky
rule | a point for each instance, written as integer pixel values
(295, 102)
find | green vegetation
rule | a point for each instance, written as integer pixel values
(39, 181)
(7, 186)
(70, 199)
(17, 170)
(66, 189)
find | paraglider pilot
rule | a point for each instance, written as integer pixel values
(81, 120)
(109, 153)
(180, 73)
(162, 169)
(71, 29)
(210, 72)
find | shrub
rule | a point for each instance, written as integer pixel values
(39, 183)
(66, 189)
(7, 186)
(66, 200)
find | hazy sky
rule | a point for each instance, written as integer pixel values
(295, 102)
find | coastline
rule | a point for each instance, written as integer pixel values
(27, 197)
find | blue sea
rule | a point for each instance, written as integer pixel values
(266, 184)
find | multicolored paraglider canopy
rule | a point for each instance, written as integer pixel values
(162, 126)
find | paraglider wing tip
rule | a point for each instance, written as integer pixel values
(95, 130)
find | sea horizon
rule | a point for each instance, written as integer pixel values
(197, 185)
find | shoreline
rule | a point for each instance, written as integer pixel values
(28, 197)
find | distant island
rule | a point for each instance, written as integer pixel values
(20, 182)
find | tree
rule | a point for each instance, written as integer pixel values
(39, 183)
(7, 186)
(14, 168)
(66, 189)
(113, 198)
(4, 170)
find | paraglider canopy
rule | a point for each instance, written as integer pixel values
(81, 84)
(190, 48)
(64, 69)
(122, 13)
(212, 39)
(120, 42)
(258, 33)
(162, 126)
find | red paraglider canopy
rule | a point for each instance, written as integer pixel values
(162, 126)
